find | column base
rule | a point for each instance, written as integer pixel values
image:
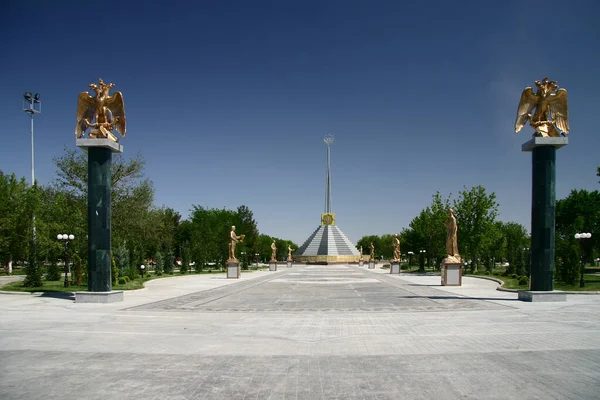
(542, 296)
(394, 267)
(273, 266)
(289, 264)
(371, 264)
(113, 296)
(361, 263)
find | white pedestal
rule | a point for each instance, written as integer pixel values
(371, 264)
(394, 268)
(361, 263)
(289, 264)
(233, 270)
(272, 266)
(452, 274)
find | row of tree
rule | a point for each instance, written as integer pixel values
(141, 231)
(483, 240)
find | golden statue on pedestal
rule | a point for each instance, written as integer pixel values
(273, 252)
(396, 246)
(452, 238)
(108, 111)
(545, 102)
(234, 239)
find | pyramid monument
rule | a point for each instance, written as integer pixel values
(327, 244)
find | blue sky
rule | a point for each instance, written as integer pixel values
(229, 101)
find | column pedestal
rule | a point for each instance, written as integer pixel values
(361, 263)
(272, 265)
(543, 202)
(394, 267)
(371, 264)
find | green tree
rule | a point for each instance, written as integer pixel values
(475, 212)
(428, 230)
(16, 229)
(516, 239)
(366, 241)
(578, 212)
(132, 195)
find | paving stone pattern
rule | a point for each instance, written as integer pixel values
(322, 289)
(307, 332)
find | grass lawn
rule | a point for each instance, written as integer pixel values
(592, 283)
(58, 286)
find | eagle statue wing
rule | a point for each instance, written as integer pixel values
(116, 106)
(528, 102)
(560, 113)
(86, 106)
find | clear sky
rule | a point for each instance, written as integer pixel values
(229, 101)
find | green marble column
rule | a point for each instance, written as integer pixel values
(543, 217)
(99, 182)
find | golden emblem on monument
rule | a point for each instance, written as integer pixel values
(547, 104)
(108, 112)
(328, 219)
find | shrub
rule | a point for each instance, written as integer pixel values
(514, 276)
(523, 281)
(115, 271)
(123, 280)
(53, 272)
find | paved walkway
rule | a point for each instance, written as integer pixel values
(307, 332)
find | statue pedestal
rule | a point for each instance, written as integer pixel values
(361, 263)
(451, 273)
(394, 267)
(99, 212)
(233, 269)
(543, 202)
(289, 263)
(272, 265)
(371, 264)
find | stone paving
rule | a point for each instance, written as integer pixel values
(309, 332)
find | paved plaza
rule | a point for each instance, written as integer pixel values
(307, 332)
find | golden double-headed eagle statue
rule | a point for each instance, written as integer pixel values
(549, 102)
(107, 111)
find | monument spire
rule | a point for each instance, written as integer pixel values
(328, 139)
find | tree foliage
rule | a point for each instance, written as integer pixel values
(476, 212)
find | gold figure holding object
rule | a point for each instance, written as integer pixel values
(545, 102)
(452, 238)
(234, 239)
(273, 251)
(108, 111)
(290, 249)
(396, 245)
(372, 255)
(361, 254)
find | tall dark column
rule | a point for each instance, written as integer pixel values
(543, 217)
(543, 204)
(99, 213)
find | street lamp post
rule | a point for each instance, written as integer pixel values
(142, 269)
(256, 255)
(580, 236)
(32, 106)
(422, 259)
(410, 256)
(66, 239)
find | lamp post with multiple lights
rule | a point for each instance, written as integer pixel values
(32, 106)
(66, 239)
